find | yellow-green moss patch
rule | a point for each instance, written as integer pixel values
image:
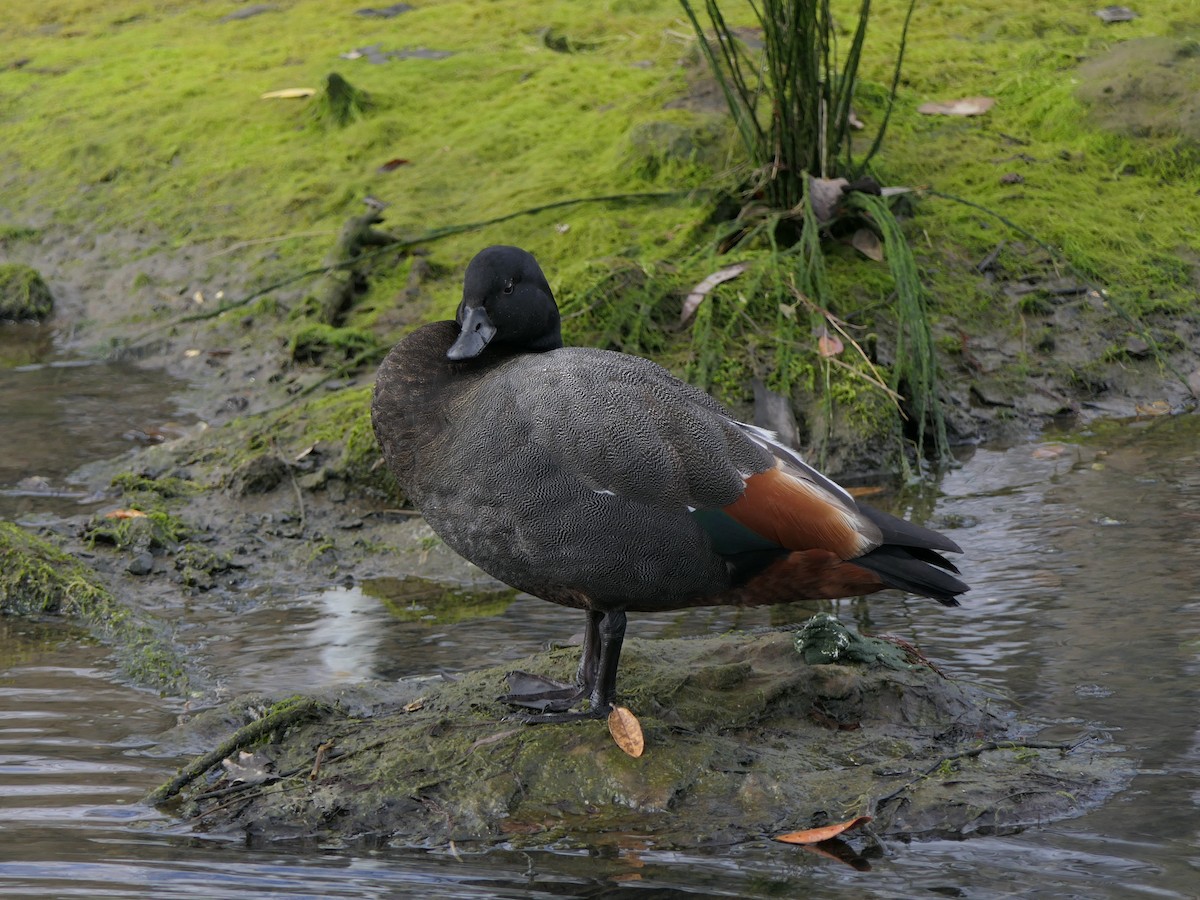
(37, 579)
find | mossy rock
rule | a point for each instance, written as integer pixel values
(744, 739)
(37, 580)
(24, 295)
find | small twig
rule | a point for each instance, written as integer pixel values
(316, 767)
(241, 245)
(974, 752)
(237, 788)
(990, 260)
(299, 496)
(243, 737)
(874, 378)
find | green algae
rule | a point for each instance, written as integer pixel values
(24, 294)
(152, 525)
(37, 579)
(318, 343)
(742, 739)
(340, 103)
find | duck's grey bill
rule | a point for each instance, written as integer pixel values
(477, 330)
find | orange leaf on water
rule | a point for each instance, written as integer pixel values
(816, 835)
(626, 730)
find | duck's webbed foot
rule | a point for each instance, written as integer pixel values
(595, 679)
(540, 694)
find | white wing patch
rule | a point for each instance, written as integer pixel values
(769, 441)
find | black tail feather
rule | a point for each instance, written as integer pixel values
(906, 534)
(916, 570)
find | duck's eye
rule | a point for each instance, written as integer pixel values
(508, 287)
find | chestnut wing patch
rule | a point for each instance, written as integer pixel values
(798, 514)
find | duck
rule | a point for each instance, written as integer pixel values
(599, 481)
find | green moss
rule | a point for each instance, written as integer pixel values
(329, 430)
(155, 530)
(738, 740)
(317, 343)
(11, 234)
(37, 579)
(140, 486)
(340, 103)
(23, 293)
(170, 134)
(1116, 206)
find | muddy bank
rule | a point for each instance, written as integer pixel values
(744, 738)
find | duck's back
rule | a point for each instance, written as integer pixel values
(570, 474)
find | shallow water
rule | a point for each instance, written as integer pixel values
(1086, 611)
(58, 414)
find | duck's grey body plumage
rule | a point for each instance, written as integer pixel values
(567, 474)
(598, 480)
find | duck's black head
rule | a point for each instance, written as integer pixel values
(506, 304)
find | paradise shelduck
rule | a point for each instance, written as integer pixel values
(599, 481)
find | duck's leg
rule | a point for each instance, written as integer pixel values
(611, 633)
(546, 695)
(598, 667)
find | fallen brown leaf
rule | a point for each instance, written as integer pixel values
(125, 514)
(626, 730)
(967, 106)
(1156, 408)
(700, 291)
(829, 345)
(816, 835)
(867, 242)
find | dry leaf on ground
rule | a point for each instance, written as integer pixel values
(1110, 14)
(867, 242)
(626, 730)
(700, 291)
(825, 194)
(1154, 408)
(967, 106)
(829, 345)
(288, 94)
(1050, 451)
